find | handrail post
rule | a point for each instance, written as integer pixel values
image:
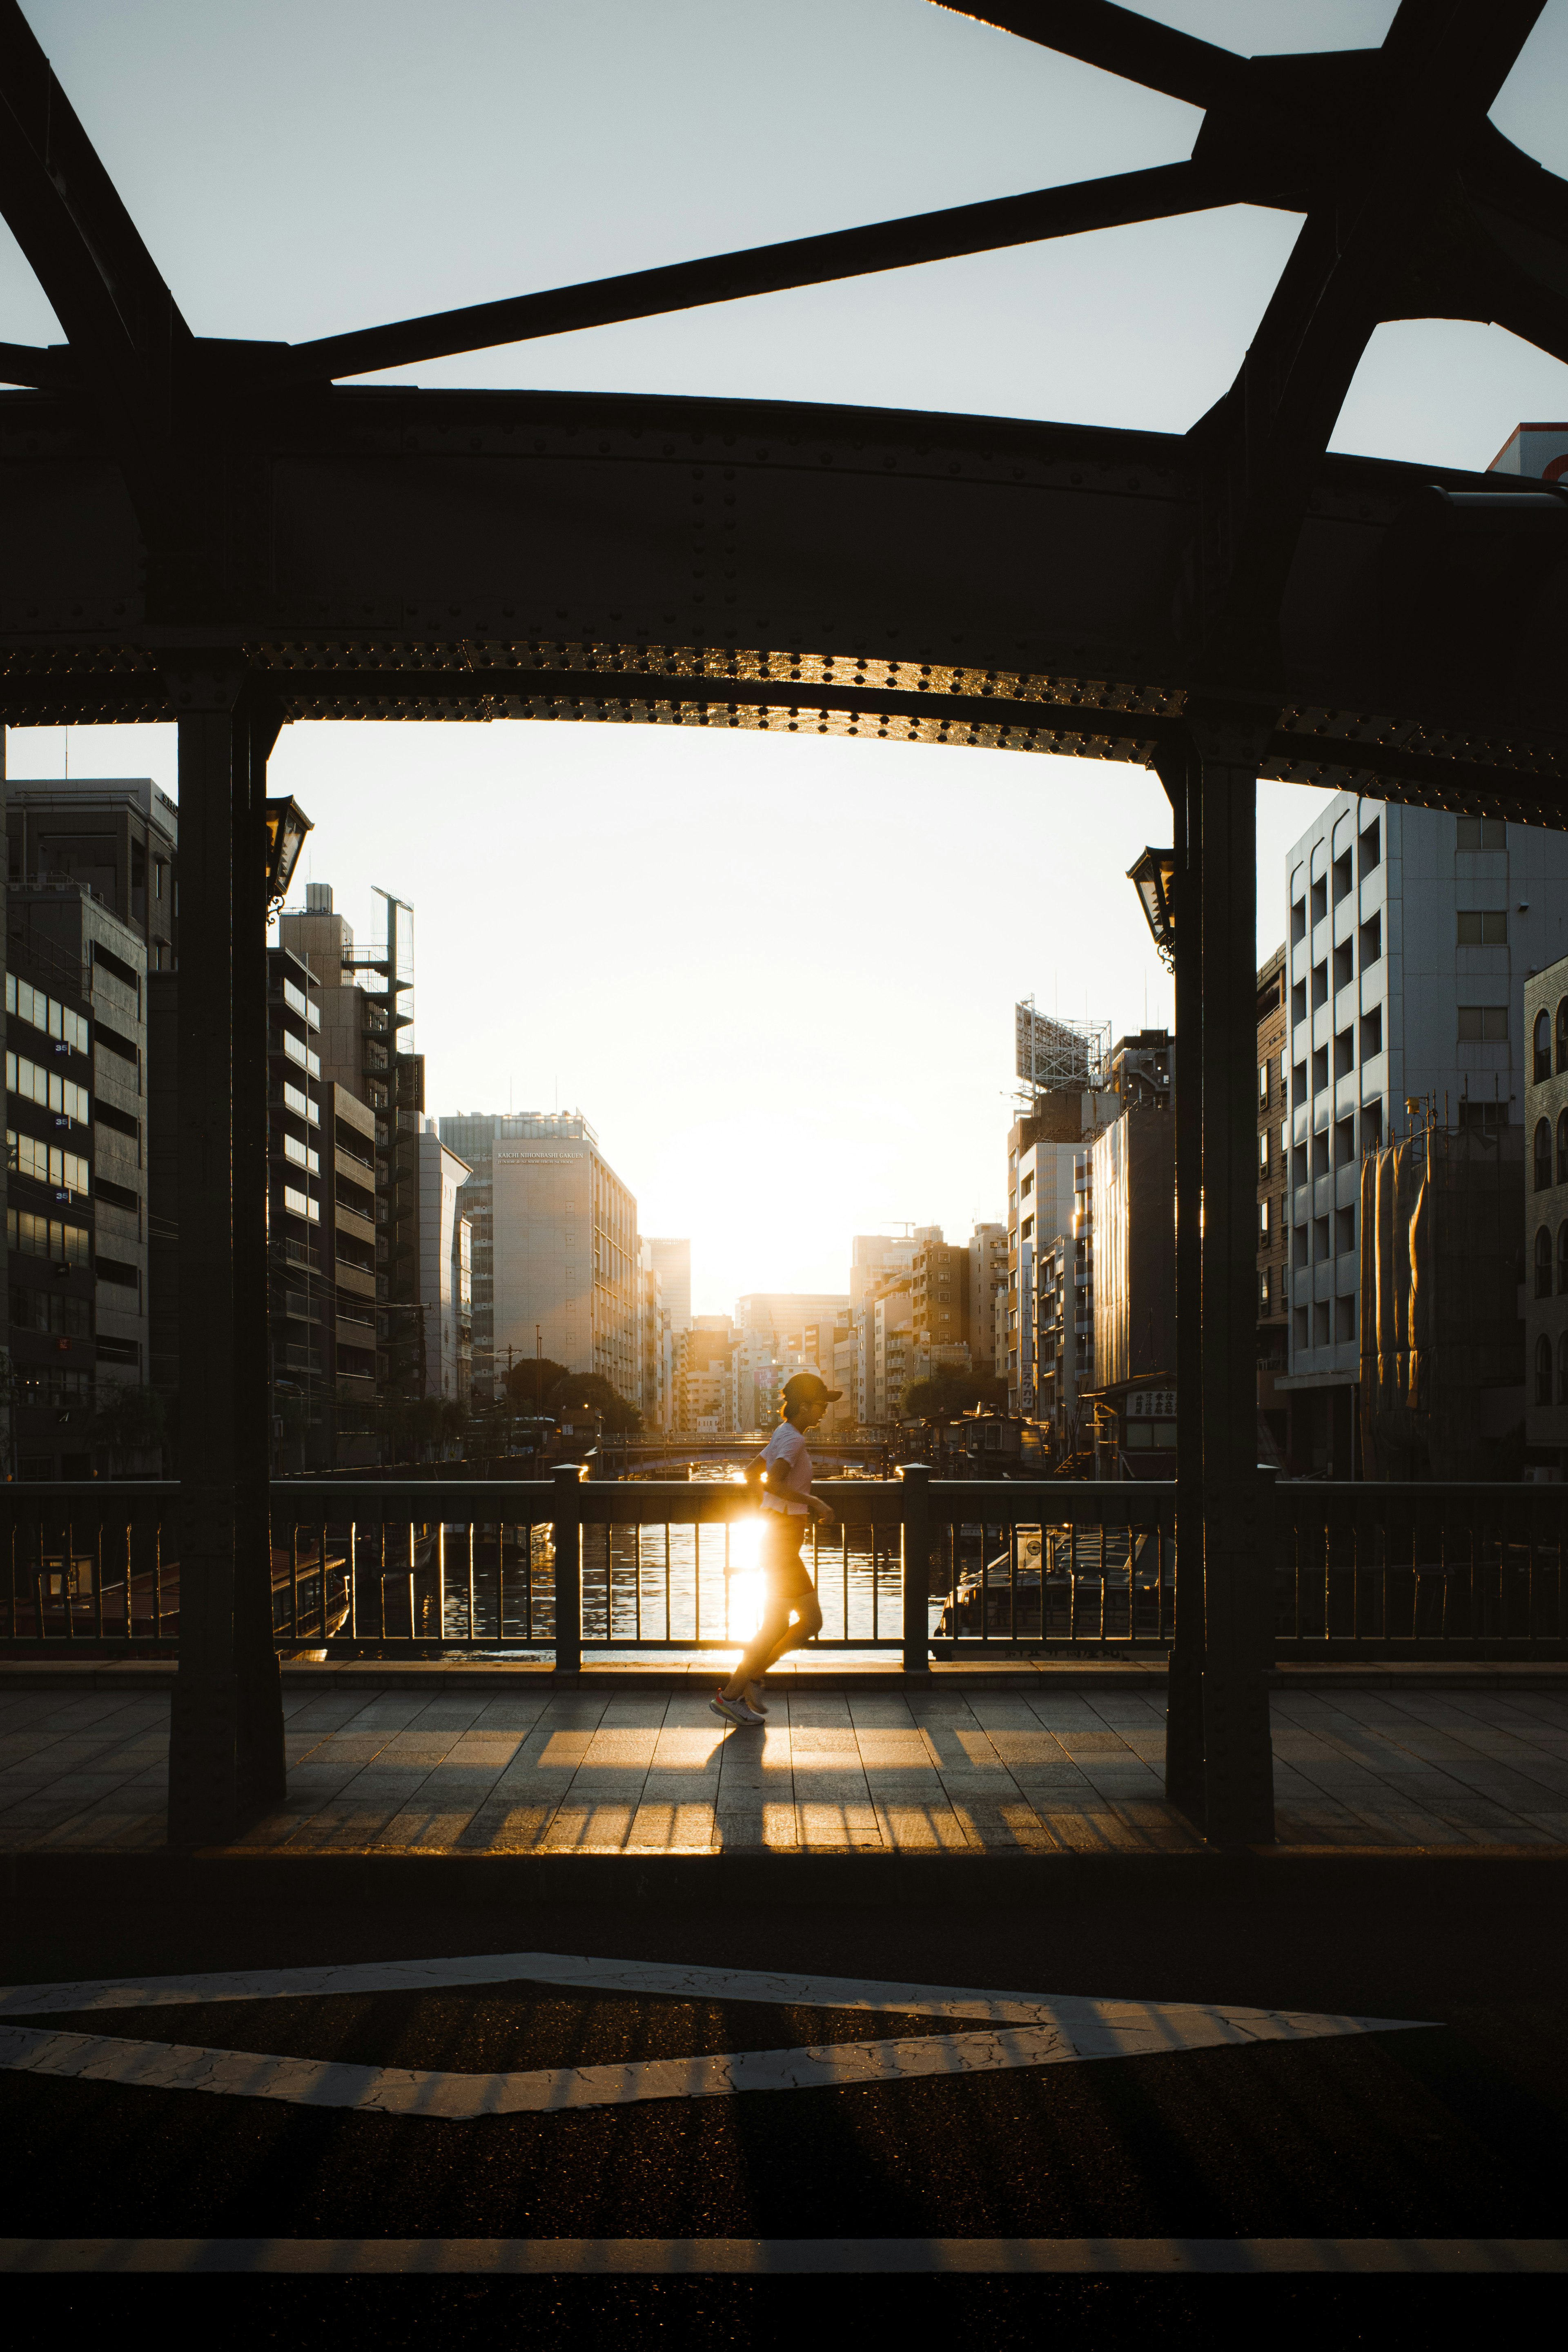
(914, 1478)
(567, 1510)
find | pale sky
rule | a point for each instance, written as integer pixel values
(621, 918)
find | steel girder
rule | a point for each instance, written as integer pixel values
(171, 506)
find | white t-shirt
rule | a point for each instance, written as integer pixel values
(787, 1445)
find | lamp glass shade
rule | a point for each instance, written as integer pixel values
(1153, 878)
(286, 826)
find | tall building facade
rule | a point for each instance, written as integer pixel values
(987, 1286)
(446, 1271)
(1042, 1147)
(672, 1263)
(1273, 1197)
(366, 1002)
(1409, 934)
(565, 1257)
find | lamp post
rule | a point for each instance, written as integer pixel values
(1153, 878)
(286, 826)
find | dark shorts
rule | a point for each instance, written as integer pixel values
(784, 1572)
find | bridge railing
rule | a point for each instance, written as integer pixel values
(564, 1567)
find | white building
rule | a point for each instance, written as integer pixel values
(1409, 933)
(446, 1303)
(671, 1262)
(565, 1252)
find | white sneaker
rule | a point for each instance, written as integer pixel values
(734, 1709)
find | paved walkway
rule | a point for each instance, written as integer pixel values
(406, 1770)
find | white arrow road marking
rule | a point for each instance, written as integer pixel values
(707, 2257)
(836, 2065)
(674, 1979)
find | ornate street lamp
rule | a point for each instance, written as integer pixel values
(1154, 877)
(286, 826)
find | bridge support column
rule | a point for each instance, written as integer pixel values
(226, 1748)
(1219, 1759)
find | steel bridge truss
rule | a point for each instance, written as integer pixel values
(229, 534)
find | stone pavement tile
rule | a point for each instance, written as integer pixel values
(436, 1824)
(695, 1788)
(680, 1742)
(1018, 1749)
(843, 1825)
(452, 1783)
(814, 1743)
(448, 1711)
(908, 1746)
(498, 1828)
(338, 1827)
(1002, 1828)
(23, 1825)
(1042, 1777)
(506, 1713)
(555, 1748)
(911, 1826)
(659, 1825)
(323, 1706)
(768, 1825)
(635, 1712)
(373, 1786)
(1093, 1743)
(964, 1748)
(587, 1828)
(491, 1747)
(818, 1711)
(1405, 1824)
(405, 1751)
(879, 1711)
(1553, 1827)
(1111, 1774)
(1086, 1828)
(70, 1787)
(574, 1711)
(1485, 1823)
(105, 1828)
(625, 1748)
(1157, 1824)
(388, 1711)
(597, 1784)
(1125, 1711)
(1321, 1824)
(1002, 1711)
(1503, 1785)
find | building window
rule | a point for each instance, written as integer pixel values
(1298, 921)
(1542, 1263)
(1263, 1292)
(1472, 832)
(1484, 929)
(1320, 1323)
(1543, 1369)
(1371, 847)
(1563, 1261)
(1370, 940)
(1488, 1023)
(1344, 1053)
(1263, 1153)
(1299, 1327)
(1542, 1156)
(1263, 1224)
(1542, 1068)
(1344, 1318)
(1320, 983)
(1263, 1085)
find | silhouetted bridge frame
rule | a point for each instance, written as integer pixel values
(218, 533)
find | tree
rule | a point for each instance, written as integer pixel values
(949, 1390)
(530, 1383)
(592, 1390)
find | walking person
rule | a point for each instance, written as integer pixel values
(782, 1476)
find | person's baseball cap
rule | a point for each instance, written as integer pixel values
(803, 1388)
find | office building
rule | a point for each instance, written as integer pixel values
(51, 1335)
(446, 1271)
(1134, 1184)
(365, 1045)
(672, 1263)
(987, 1285)
(939, 1295)
(1042, 1148)
(703, 1353)
(1273, 1200)
(1410, 933)
(782, 1312)
(1545, 1236)
(301, 1318)
(116, 838)
(566, 1261)
(874, 1258)
(656, 1338)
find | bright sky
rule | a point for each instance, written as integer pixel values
(618, 918)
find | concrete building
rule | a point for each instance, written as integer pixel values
(939, 1295)
(1042, 1147)
(564, 1251)
(50, 1212)
(1410, 932)
(656, 1341)
(987, 1285)
(702, 1376)
(301, 1322)
(891, 1332)
(1273, 1199)
(366, 1002)
(672, 1263)
(1544, 1242)
(874, 1258)
(115, 837)
(1133, 1187)
(446, 1270)
(784, 1312)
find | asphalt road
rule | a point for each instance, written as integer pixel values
(1456, 2131)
